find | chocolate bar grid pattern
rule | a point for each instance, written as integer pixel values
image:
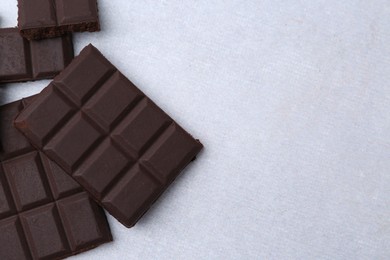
(124, 155)
(63, 15)
(44, 214)
(22, 60)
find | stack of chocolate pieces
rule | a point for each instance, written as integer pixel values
(90, 139)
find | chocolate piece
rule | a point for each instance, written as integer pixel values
(44, 214)
(112, 139)
(51, 18)
(22, 60)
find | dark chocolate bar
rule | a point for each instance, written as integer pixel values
(51, 18)
(110, 137)
(22, 60)
(44, 214)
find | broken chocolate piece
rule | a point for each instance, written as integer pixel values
(40, 19)
(22, 60)
(110, 137)
(44, 214)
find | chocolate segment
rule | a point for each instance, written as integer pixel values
(51, 18)
(110, 137)
(44, 214)
(22, 60)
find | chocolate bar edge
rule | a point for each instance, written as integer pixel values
(56, 31)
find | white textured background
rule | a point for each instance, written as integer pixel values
(291, 100)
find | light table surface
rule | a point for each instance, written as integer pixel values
(291, 100)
